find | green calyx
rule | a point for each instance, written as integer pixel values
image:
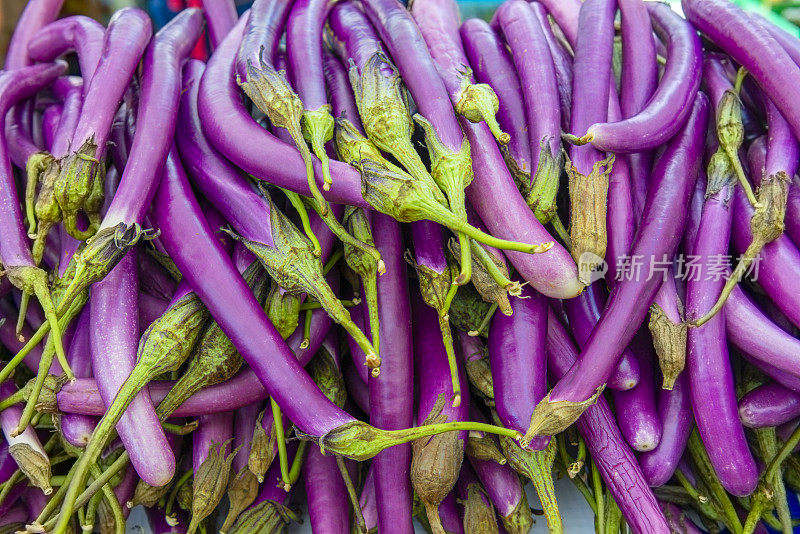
(242, 491)
(263, 448)
(42, 210)
(317, 126)
(719, 172)
(147, 495)
(170, 339)
(291, 263)
(479, 103)
(271, 93)
(102, 253)
(468, 311)
(452, 171)
(267, 516)
(323, 370)
(352, 147)
(79, 189)
(283, 310)
(359, 441)
(46, 401)
(210, 482)
(384, 110)
(544, 187)
(730, 127)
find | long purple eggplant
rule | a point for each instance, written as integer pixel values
(36, 15)
(674, 178)
(78, 34)
(635, 408)
(221, 17)
(671, 103)
(328, 506)
(611, 454)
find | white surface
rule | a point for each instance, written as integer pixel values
(576, 514)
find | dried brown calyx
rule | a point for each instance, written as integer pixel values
(478, 512)
(210, 482)
(669, 341)
(588, 195)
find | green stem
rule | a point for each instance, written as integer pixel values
(351, 493)
(447, 337)
(336, 255)
(485, 321)
(784, 452)
(597, 484)
(45, 362)
(297, 463)
(371, 296)
(112, 501)
(768, 445)
(298, 205)
(558, 226)
(100, 437)
(733, 156)
(613, 515)
(297, 136)
(705, 472)
(11, 400)
(754, 516)
(465, 275)
(9, 484)
(23, 312)
(339, 231)
(91, 509)
(315, 305)
(485, 259)
(324, 294)
(306, 330)
(173, 494)
(452, 221)
(280, 438)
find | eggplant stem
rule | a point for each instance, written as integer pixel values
(339, 231)
(561, 230)
(597, 484)
(28, 412)
(112, 501)
(465, 275)
(733, 156)
(300, 208)
(447, 337)
(297, 136)
(15, 398)
(483, 257)
(306, 330)
(485, 321)
(351, 493)
(280, 438)
(708, 475)
(173, 494)
(336, 255)
(23, 312)
(297, 463)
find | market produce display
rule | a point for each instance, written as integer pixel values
(363, 264)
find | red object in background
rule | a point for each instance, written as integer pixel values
(200, 50)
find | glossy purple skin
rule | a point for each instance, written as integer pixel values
(328, 505)
(635, 408)
(639, 77)
(754, 48)
(518, 361)
(304, 51)
(244, 421)
(391, 395)
(659, 234)
(78, 34)
(768, 405)
(711, 381)
(156, 119)
(354, 37)
(8, 335)
(16, 86)
(217, 179)
(213, 430)
(621, 217)
(369, 508)
(675, 413)
(501, 483)
(671, 103)
(82, 396)
(450, 514)
(584, 311)
(778, 264)
(265, 27)
(530, 52)
(611, 454)
(191, 244)
(594, 48)
(782, 155)
(7, 464)
(678, 521)
(128, 34)
(342, 99)
(432, 370)
(357, 389)
(51, 116)
(229, 127)
(763, 342)
(413, 58)
(70, 115)
(76, 428)
(113, 340)
(221, 17)
(562, 61)
(17, 514)
(37, 14)
(491, 63)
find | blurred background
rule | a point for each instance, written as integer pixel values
(783, 12)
